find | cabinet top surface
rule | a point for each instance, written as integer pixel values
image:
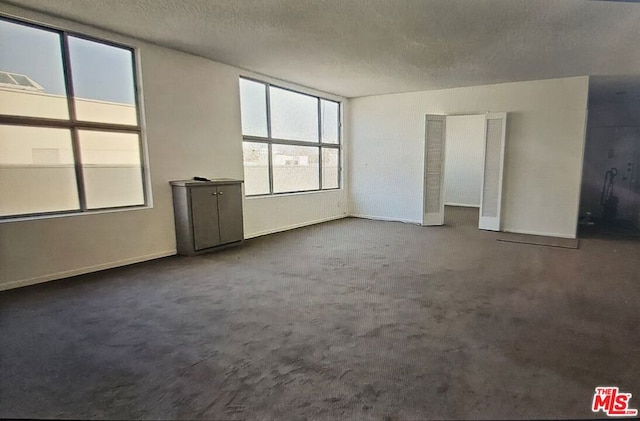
(211, 182)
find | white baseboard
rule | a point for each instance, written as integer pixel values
(545, 234)
(383, 218)
(82, 271)
(462, 205)
(294, 226)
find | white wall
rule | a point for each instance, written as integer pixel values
(265, 215)
(193, 128)
(543, 161)
(464, 167)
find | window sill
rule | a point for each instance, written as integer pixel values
(301, 193)
(9, 219)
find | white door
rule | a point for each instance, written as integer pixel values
(433, 206)
(491, 194)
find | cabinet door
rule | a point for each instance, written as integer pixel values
(204, 211)
(230, 209)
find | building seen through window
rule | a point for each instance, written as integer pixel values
(70, 136)
(291, 140)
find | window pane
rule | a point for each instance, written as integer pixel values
(111, 169)
(102, 82)
(293, 116)
(253, 103)
(31, 75)
(295, 168)
(256, 168)
(330, 119)
(330, 168)
(36, 171)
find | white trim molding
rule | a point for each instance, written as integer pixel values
(84, 270)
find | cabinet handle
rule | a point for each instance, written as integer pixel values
(220, 193)
(214, 193)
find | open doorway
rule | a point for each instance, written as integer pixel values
(463, 169)
(610, 195)
(463, 178)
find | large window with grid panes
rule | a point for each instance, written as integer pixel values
(70, 129)
(291, 140)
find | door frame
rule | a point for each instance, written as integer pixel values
(484, 223)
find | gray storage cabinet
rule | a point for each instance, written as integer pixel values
(208, 214)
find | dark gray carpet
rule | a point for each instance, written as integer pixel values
(352, 318)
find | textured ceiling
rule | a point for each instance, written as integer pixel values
(365, 47)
